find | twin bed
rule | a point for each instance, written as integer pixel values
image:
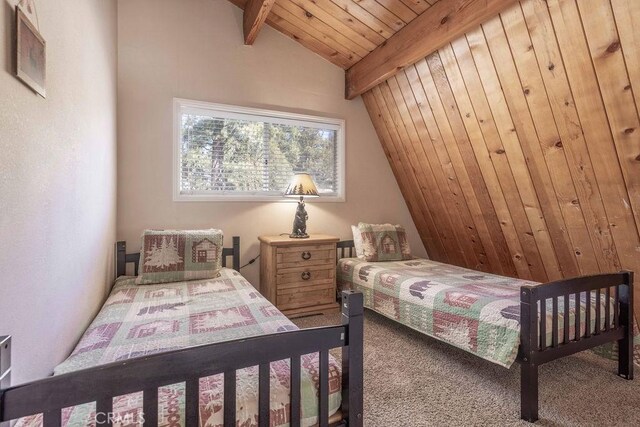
(209, 352)
(214, 352)
(498, 318)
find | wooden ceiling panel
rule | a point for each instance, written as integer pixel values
(347, 19)
(290, 11)
(441, 24)
(354, 10)
(399, 9)
(342, 31)
(339, 21)
(310, 41)
(419, 6)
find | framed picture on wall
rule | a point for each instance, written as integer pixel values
(31, 54)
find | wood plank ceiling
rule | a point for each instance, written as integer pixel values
(342, 31)
(517, 145)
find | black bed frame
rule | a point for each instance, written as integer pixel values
(101, 383)
(534, 351)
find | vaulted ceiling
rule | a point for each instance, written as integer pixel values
(342, 31)
(371, 39)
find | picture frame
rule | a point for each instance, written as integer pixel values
(31, 57)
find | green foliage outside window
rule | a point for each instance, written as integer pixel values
(230, 155)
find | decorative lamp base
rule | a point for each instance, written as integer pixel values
(300, 222)
(299, 236)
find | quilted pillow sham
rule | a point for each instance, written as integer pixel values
(178, 255)
(384, 242)
(357, 241)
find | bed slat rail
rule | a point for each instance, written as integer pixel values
(230, 398)
(150, 406)
(101, 383)
(587, 315)
(295, 392)
(51, 419)
(323, 401)
(579, 284)
(535, 347)
(104, 406)
(264, 393)
(345, 249)
(192, 407)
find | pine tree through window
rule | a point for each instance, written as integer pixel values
(235, 153)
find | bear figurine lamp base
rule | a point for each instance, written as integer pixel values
(302, 186)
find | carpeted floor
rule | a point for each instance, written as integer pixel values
(413, 380)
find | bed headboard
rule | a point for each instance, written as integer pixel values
(345, 249)
(123, 258)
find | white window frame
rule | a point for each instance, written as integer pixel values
(181, 106)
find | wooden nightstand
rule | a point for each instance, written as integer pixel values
(298, 276)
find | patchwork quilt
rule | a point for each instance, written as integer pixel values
(475, 311)
(140, 320)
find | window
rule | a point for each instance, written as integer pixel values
(224, 152)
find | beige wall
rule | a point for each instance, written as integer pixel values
(57, 183)
(193, 49)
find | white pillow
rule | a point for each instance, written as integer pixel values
(357, 241)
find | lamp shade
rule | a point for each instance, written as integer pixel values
(301, 185)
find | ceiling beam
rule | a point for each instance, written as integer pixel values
(255, 15)
(442, 23)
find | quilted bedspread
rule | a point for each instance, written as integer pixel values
(138, 320)
(475, 311)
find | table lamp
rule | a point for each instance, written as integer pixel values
(302, 186)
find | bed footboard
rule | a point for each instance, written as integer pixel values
(101, 383)
(569, 336)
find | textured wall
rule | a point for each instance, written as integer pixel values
(57, 183)
(518, 146)
(194, 49)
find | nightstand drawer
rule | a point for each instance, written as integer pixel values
(306, 296)
(305, 256)
(303, 275)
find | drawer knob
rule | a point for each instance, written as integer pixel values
(306, 255)
(306, 275)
